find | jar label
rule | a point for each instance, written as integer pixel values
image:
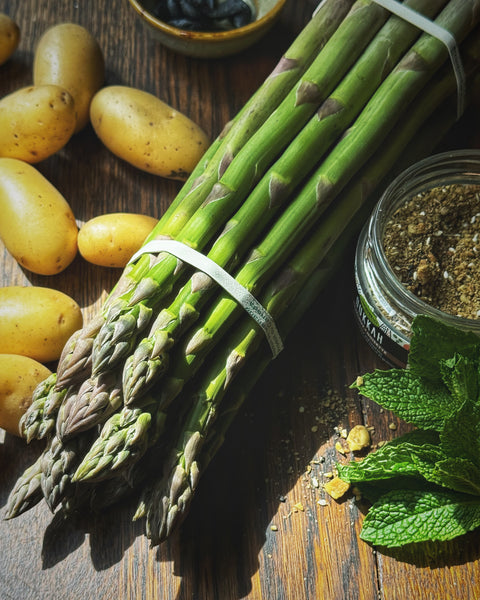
(378, 335)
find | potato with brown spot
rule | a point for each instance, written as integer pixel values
(9, 37)
(36, 122)
(36, 321)
(147, 133)
(19, 376)
(37, 224)
(69, 56)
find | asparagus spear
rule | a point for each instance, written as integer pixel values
(96, 398)
(118, 334)
(27, 491)
(58, 462)
(123, 441)
(39, 418)
(146, 364)
(297, 58)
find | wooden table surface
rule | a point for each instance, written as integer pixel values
(283, 441)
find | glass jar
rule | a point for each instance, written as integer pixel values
(384, 307)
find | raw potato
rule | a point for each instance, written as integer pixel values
(68, 55)
(36, 122)
(37, 224)
(36, 321)
(19, 376)
(110, 240)
(9, 37)
(144, 131)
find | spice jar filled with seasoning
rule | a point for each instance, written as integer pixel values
(419, 253)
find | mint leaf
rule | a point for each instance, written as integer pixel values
(458, 474)
(433, 341)
(424, 403)
(404, 516)
(461, 433)
(462, 377)
(410, 455)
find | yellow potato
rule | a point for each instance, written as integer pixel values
(37, 224)
(110, 240)
(36, 122)
(68, 55)
(144, 131)
(19, 376)
(9, 37)
(36, 321)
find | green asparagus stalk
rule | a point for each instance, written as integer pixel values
(118, 334)
(27, 491)
(166, 503)
(298, 57)
(122, 442)
(334, 116)
(39, 418)
(59, 461)
(97, 398)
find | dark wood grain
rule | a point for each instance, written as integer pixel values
(283, 440)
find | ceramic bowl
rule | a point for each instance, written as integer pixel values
(203, 44)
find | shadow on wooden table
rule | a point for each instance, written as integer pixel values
(437, 555)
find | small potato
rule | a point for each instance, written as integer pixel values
(36, 122)
(110, 240)
(144, 131)
(68, 55)
(19, 376)
(37, 224)
(36, 321)
(9, 37)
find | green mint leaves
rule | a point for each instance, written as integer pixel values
(425, 485)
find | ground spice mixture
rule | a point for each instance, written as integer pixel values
(432, 244)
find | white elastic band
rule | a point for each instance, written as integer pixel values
(408, 14)
(224, 279)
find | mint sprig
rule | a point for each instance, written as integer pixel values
(425, 485)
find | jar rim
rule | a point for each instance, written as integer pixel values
(445, 164)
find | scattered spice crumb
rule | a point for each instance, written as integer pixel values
(336, 488)
(358, 438)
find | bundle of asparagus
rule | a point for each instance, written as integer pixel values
(143, 394)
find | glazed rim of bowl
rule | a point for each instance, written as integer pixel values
(206, 35)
